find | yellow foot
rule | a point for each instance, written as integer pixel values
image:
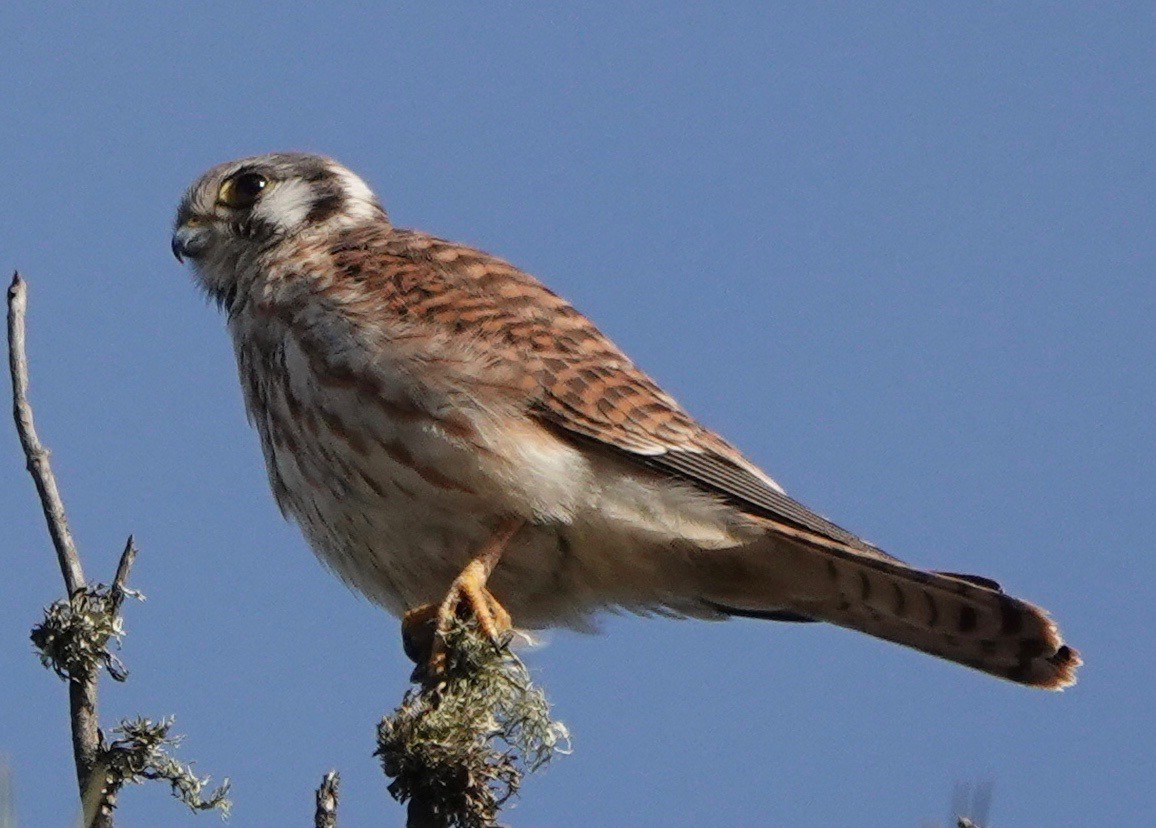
(424, 628)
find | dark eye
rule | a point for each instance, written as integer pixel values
(242, 190)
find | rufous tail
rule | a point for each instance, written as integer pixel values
(963, 618)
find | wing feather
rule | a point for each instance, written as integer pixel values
(582, 384)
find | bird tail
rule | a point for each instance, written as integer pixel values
(962, 618)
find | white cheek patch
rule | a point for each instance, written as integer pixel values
(286, 205)
(361, 204)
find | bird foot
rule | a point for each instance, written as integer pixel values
(424, 628)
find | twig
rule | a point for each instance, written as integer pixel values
(118, 590)
(34, 452)
(326, 814)
(81, 689)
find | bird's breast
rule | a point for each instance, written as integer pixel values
(394, 483)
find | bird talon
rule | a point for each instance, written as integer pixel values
(424, 629)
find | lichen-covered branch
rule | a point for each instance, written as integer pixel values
(458, 750)
(142, 753)
(81, 688)
(75, 637)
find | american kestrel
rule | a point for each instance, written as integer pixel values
(451, 435)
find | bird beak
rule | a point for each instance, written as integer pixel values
(190, 239)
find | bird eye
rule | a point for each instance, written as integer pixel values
(242, 190)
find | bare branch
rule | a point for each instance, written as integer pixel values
(34, 452)
(326, 814)
(81, 689)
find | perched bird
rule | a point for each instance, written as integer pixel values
(451, 436)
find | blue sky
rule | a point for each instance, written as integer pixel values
(903, 256)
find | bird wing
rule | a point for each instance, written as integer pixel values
(585, 388)
(622, 409)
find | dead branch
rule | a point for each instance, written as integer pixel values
(326, 814)
(35, 453)
(75, 636)
(81, 689)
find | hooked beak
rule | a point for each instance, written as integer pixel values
(190, 239)
(178, 249)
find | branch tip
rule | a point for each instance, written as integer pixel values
(327, 796)
(119, 588)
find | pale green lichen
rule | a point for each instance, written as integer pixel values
(142, 753)
(458, 751)
(73, 639)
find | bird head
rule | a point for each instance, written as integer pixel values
(239, 209)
